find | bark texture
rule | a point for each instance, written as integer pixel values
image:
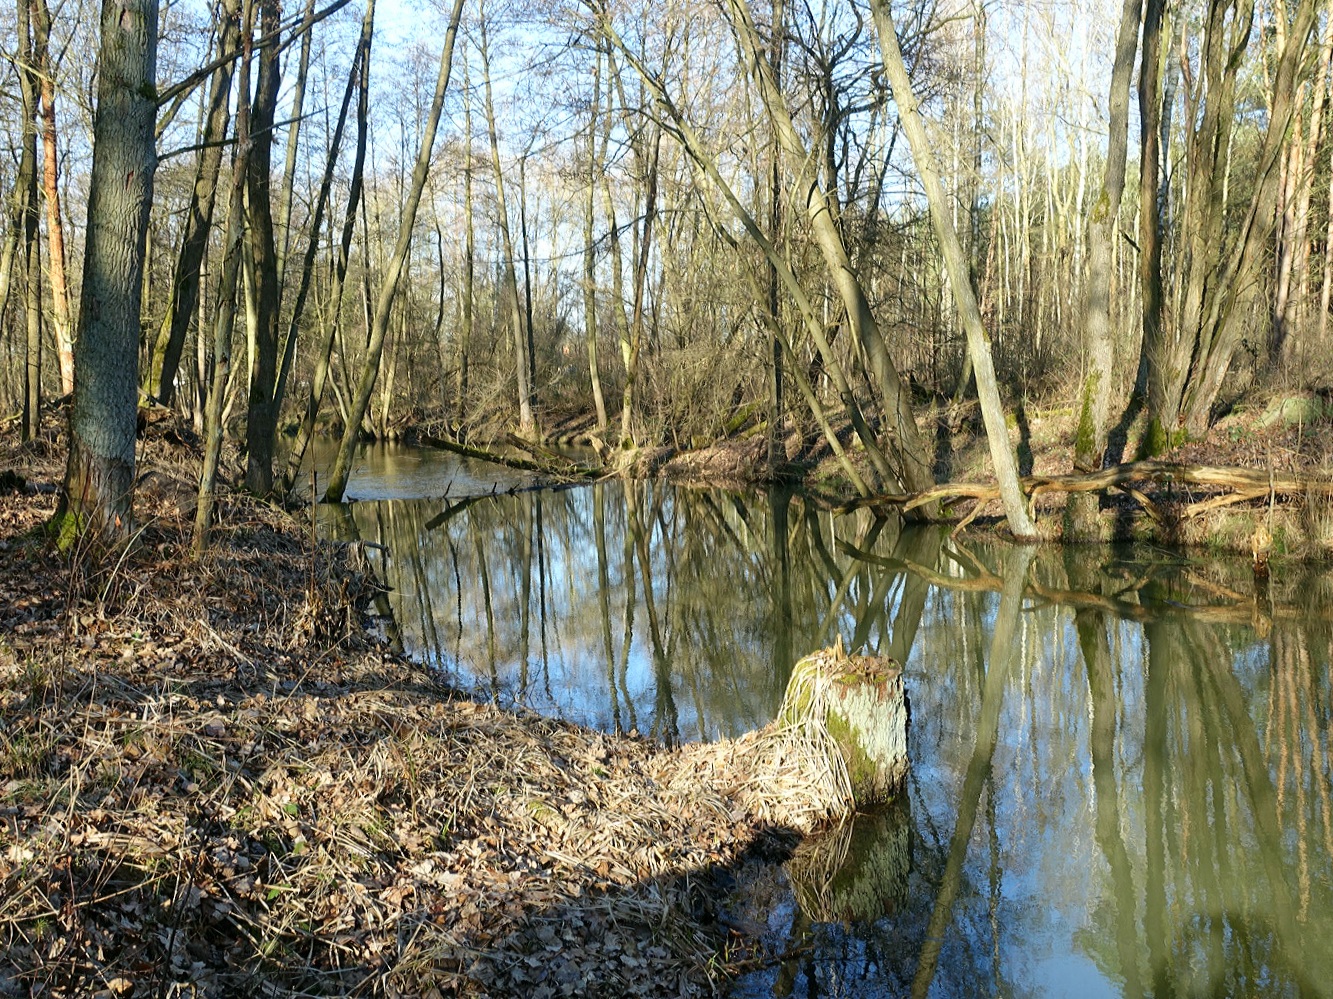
(99, 480)
(1090, 442)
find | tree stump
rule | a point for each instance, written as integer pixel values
(861, 703)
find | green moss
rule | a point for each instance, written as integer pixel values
(860, 767)
(1086, 439)
(65, 528)
(1158, 440)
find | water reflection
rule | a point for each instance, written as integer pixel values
(1121, 761)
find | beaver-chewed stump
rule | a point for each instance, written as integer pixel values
(861, 703)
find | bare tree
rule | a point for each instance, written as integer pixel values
(978, 342)
(388, 289)
(224, 315)
(522, 358)
(45, 69)
(1103, 227)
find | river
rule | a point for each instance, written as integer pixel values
(1120, 758)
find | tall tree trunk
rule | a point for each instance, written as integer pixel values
(978, 342)
(55, 225)
(528, 324)
(32, 287)
(261, 413)
(469, 251)
(26, 182)
(631, 347)
(1103, 227)
(358, 75)
(389, 282)
(589, 248)
(1156, 374)
(777, 50)
(99, 478)
(185, 298)
(522, 363)
(224, 315)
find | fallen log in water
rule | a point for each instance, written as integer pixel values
(566, 469)
(1229, 484)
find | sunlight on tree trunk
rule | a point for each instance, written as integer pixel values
(978, 342)
(1103, 229)
(99, 479)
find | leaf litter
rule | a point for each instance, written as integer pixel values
(214, 781)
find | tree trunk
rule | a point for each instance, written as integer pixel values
(224, 315)
(469, 250)
(978, 342)
(55, 225)
(26, 191)
(777, 50)
(359, 74)
(389, 287)
(1157, 376)
(522, 364)
(261, 413)
(1103, 227)
(589, 249)
(99, 479)
(185, 298)
(630, 348)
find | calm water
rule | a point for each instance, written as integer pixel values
(1121, 761)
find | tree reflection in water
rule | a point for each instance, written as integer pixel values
(1121, 760)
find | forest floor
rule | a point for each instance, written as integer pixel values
(215, 782)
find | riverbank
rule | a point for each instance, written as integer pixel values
(1272, 431)
(217, 784)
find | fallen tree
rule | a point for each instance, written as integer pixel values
(543, 462)
(1226, 485)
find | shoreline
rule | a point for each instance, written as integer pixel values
(219, 781)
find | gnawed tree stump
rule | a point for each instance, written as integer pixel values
(861, 703)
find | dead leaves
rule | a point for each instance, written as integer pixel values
(215, 785)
